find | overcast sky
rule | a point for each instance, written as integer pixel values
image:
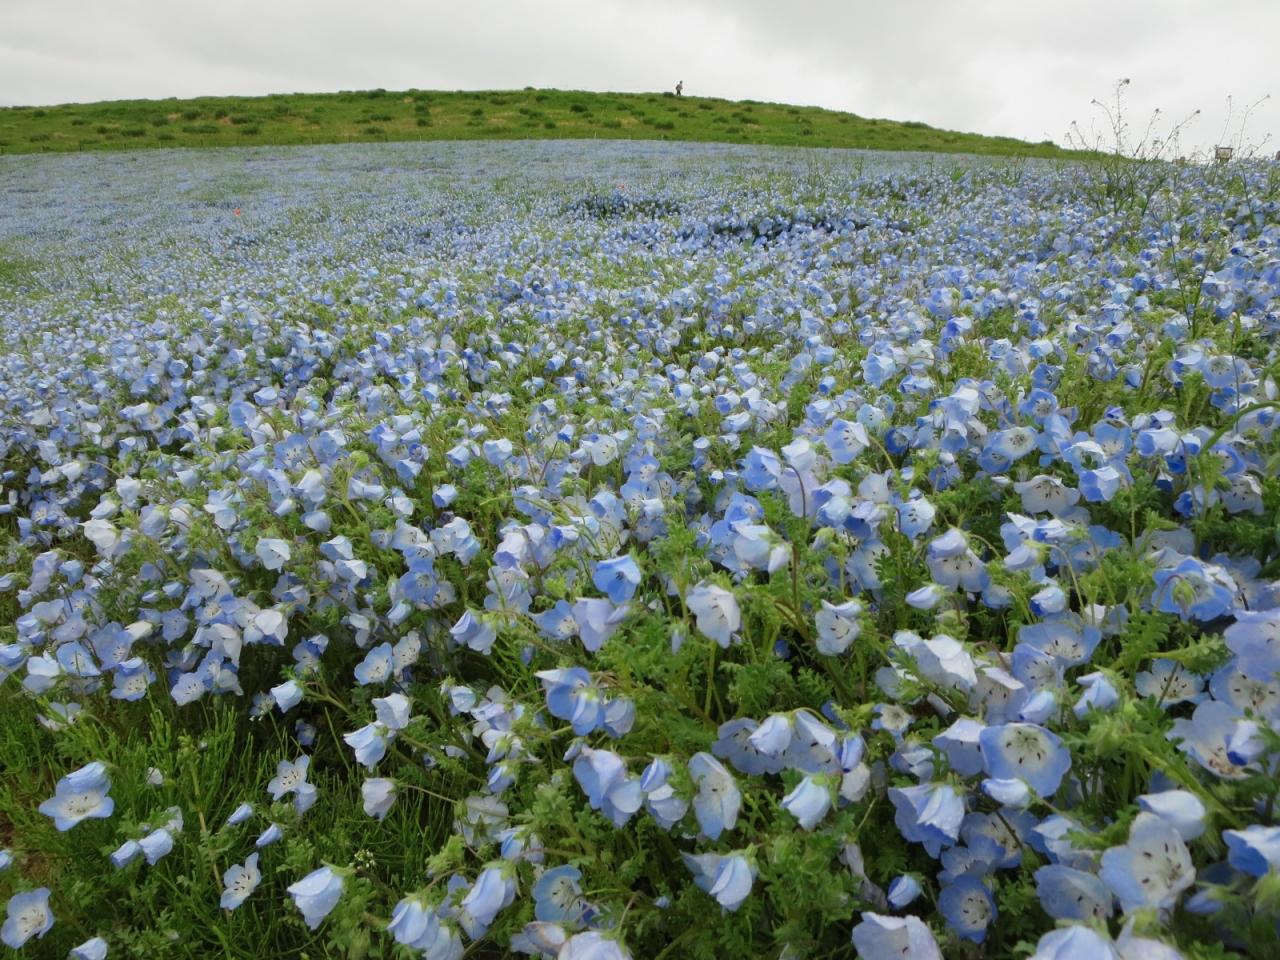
(1026, 68)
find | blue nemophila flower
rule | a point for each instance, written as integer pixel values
(1170, 683)
(903, 891)
(378, 794)
(269, 836)
(1028, 752)
(1152, 869)
(6, 859)
(727, 878)
(1069, 894)
(1182, 809)
(1075, 943)
(95, 948)
(156, 844)
(287, 695)
(617, 578)
(539, 938)
(557, 896)
(960, 744)
(952, 564)
(572, 696)
(475, 631)
(716, 610)
(376, 667)
(879, 937)
(809, 801)
(1205, 737)
(240, 814)
(80, 795)
(1255, 850)
(597, 620)
(289, 777)
(493, 891)
(558, 623)
(968, 907)
(1099, 695)
(602, 774)
(273, 553)
(593, 945)
(838, 626)
(316, 894)
(239, 881)
(125, 854)
(929, 814)
(1194, 590)
(846, 440)
(718, 799)
(414, 924)
(28, 915)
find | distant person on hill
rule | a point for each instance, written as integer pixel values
(679, 88)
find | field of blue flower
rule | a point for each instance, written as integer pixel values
(606, 550)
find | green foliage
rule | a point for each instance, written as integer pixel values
(451, 115)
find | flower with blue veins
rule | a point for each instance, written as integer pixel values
(928, 814)
(728, 878)
(95, 948)
(125, 854)
(716, 610)
(156, 844)
(558, 623)
(878, 937)
(376, 667)
(289, 777)
(1099, 695)
(1067, 893)
(572, 696)
(316, 894)
(846, 440)
(239, 881)
(1205, 736)
(1255, 850)
(1182, 809)
(493, 891)
(1027, 752)
(287, 695)
(1152, 869)
(557, 896)
(837, 626)
(240, 814)
(273, 553)
(378, 794)
(414, 924)
(593, 945)
(809, 801)
(80, 795)
(617, 578)
(1075, 942)
(718, 800)
(474, 631)
(968, 907)
(903, 891)
(597, 620)
(27, 915)
(1194, 590)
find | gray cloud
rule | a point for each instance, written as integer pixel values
(1025, 68)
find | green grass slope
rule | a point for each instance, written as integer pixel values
(382, 115)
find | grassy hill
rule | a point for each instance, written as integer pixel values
(381, 115)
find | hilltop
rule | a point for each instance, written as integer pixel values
(384, 115)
